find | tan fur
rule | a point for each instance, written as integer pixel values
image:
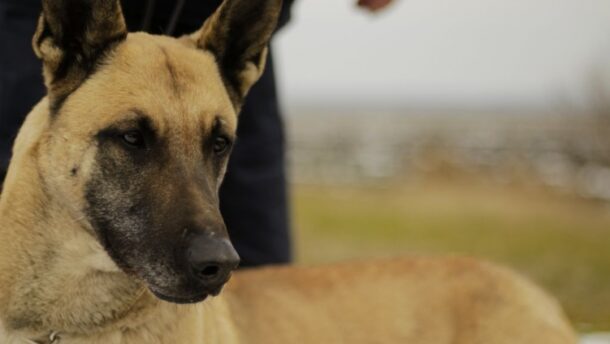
(56, 276)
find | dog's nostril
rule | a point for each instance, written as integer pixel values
(210, 271)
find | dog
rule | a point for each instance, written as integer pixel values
(109, 224)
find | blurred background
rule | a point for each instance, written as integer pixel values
(477, 127)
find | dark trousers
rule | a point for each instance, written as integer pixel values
(253, 197)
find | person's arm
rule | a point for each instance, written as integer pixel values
(374, 5)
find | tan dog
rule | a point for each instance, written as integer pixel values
(110, 210)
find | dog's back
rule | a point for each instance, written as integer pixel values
(411, 300)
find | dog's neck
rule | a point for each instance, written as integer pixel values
(54, 276)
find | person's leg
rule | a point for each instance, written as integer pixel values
(191, 17)
(21, 85)
(253, 197)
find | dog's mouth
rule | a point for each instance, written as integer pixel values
(179, 299)
(188, 299)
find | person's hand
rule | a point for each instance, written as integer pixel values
(374, 5)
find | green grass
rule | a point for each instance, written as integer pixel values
(562, 243)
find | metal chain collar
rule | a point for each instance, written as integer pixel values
(53, 338)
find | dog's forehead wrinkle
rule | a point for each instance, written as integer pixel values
(174, 78)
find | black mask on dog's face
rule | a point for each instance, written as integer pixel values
(153, 203)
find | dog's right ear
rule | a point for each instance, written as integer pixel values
(238, 34)
(71, 37)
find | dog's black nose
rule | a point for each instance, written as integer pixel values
(211, 260)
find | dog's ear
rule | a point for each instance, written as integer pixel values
(72, 35)
(238, 34)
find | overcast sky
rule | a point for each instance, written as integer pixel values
(444, 52)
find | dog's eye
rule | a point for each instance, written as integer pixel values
(133, 138)
(221, 145)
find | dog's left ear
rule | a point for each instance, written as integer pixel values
(71, 37)
(238, 34)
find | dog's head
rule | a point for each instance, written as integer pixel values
(140, 133)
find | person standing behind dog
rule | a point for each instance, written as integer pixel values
(253, 197)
